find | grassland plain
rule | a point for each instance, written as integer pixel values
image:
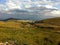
(45, 32)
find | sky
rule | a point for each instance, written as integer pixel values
(40, 7)
(29, 3)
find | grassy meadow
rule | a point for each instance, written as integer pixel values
(45, 32)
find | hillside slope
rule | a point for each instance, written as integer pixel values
(23, 32)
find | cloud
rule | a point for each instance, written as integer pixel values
(56, 13)
(12, 5)
(22, 4)
(29, 9)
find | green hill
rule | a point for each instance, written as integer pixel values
(24, 32)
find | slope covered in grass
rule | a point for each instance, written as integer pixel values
(45, 32)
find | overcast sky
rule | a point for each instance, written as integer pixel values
(40, 7)
(29, 3)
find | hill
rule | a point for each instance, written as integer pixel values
(23, 32)
(53, 21)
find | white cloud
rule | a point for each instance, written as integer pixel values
(21, 4)
(44, 8)
(56, 12)
(12, 5)
(49, 6)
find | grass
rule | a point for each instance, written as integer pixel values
(24, 33)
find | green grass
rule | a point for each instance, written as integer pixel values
(24, 33)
